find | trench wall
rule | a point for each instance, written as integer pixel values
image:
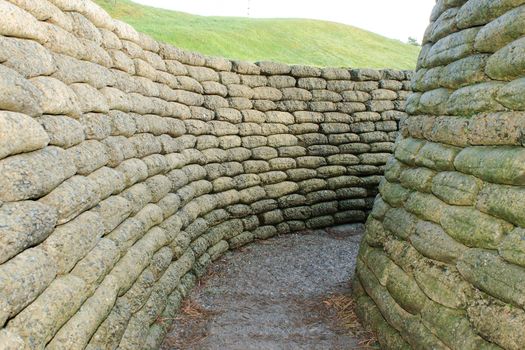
(442, 265)
(127, 166)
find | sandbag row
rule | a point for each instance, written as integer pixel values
(127, 166)
(442, 263)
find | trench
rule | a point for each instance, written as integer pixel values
(129, 166)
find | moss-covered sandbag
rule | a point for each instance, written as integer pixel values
(450, 211)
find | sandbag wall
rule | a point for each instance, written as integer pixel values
(442, 265)
(127, 166)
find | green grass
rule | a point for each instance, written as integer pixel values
(293, 41)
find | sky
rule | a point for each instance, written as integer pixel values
(397, 19)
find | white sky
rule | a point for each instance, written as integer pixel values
(396, 19)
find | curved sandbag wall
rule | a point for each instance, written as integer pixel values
(127, 166)
(442, 265)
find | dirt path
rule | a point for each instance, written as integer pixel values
(269, 295)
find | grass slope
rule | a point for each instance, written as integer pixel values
(293, 41)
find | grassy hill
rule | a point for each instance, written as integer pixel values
(293, 41)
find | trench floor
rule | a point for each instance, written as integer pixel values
(272, 295)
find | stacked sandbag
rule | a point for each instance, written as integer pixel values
(442, 265)
(127, 166)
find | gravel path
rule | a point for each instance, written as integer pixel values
(269, 295)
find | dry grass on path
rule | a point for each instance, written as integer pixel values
(343, 306)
